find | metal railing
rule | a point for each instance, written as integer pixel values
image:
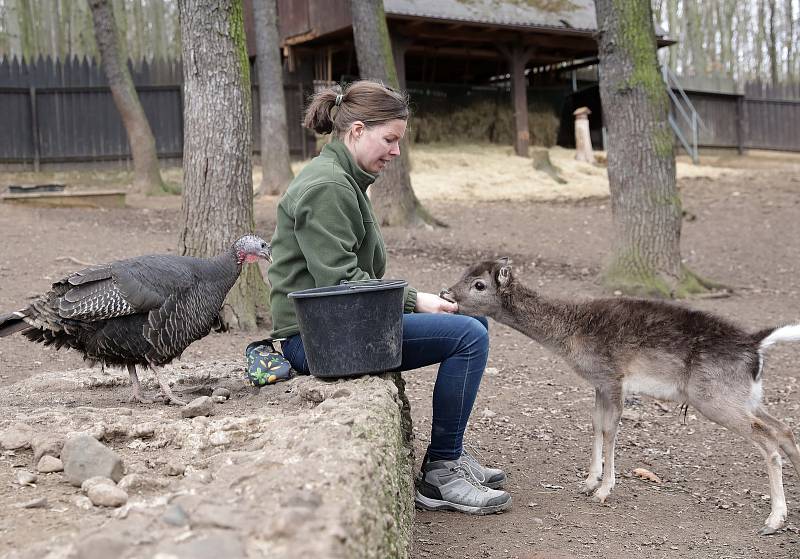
(684, 109)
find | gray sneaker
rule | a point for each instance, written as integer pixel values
(493, 478)
(451, 485)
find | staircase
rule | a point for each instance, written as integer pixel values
(683, 117)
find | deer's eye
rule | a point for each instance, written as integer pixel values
(480, 286)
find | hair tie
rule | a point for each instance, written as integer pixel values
(338, 101)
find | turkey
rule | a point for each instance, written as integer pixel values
(140, 311)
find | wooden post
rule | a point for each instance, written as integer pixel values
(583, 138)
(400, 45)
(517, 57)
(740, 120)
(35, 131)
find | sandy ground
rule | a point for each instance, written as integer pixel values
(532, 416)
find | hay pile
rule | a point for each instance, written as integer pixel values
(482, 172)
(482, 121)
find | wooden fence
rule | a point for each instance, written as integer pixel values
(762, 116)
(53, 112)
(58, 112)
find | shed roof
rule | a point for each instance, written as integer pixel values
(563, 14)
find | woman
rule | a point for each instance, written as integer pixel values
(326, 232)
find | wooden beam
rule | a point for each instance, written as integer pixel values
(518, 56)
(400, 46)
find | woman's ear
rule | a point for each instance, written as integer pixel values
(356, 129)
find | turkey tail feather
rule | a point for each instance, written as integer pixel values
(13, 323)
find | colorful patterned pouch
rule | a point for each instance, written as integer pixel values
(265, 364)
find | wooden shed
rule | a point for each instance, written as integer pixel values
(446, 42)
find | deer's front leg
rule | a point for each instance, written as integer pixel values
(611, 402)
(596, 466)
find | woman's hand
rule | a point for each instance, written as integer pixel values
(430, 303)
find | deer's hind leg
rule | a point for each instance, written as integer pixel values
(753, 424)
(784, 435)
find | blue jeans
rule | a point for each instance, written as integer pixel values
(461, 344)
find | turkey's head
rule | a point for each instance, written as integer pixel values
(250, 248)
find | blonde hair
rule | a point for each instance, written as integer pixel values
(334, 110)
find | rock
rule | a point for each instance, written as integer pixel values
(341, 393)
(49, 464)
(219, 399)
(39, 503)
(175, 516)
(82, 502)
(100, 547)
(98, 431)
(18, 435)
(142, 431)
(208, 546)
(96, 480)
(25, 477)
(84, 457)
(312, 394)
(224, 392)
(201, 406)
(175, 468)
(46, 444)
(139, 482)
(219, 438)
(195, 474)
(104, 495)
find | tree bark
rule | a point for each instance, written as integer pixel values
(217, 203)
(146, 176)
(645, 205)
(392, 195)
(772, 46)
(276, 170)
(789, 40)
(694, 33)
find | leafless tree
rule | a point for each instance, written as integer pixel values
(146, 175)
(276, 171)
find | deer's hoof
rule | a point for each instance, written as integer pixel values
(771, 526)
(601, 495)
(588, 487)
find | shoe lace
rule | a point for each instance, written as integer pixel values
(474, 466)
(469, 475)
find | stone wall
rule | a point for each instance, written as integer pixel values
(304, 468)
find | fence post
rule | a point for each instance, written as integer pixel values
(34, 130)
(740, 116)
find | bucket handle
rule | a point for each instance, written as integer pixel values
(369, 283)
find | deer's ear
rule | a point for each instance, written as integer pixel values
(504, 276)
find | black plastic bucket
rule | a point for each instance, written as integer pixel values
(352, 328)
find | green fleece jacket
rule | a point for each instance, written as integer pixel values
(326, 232)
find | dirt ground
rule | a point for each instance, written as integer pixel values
(532, 416)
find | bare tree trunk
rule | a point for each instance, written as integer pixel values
(217, 168)
(676, 32)
(26, 34)
(159, 37)
(146, 176)
(772, 47)
(694, 33)
(276, 170)
(760, 40)
(789, 40)
(139, 31)
(392, 196)
(645, 204)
